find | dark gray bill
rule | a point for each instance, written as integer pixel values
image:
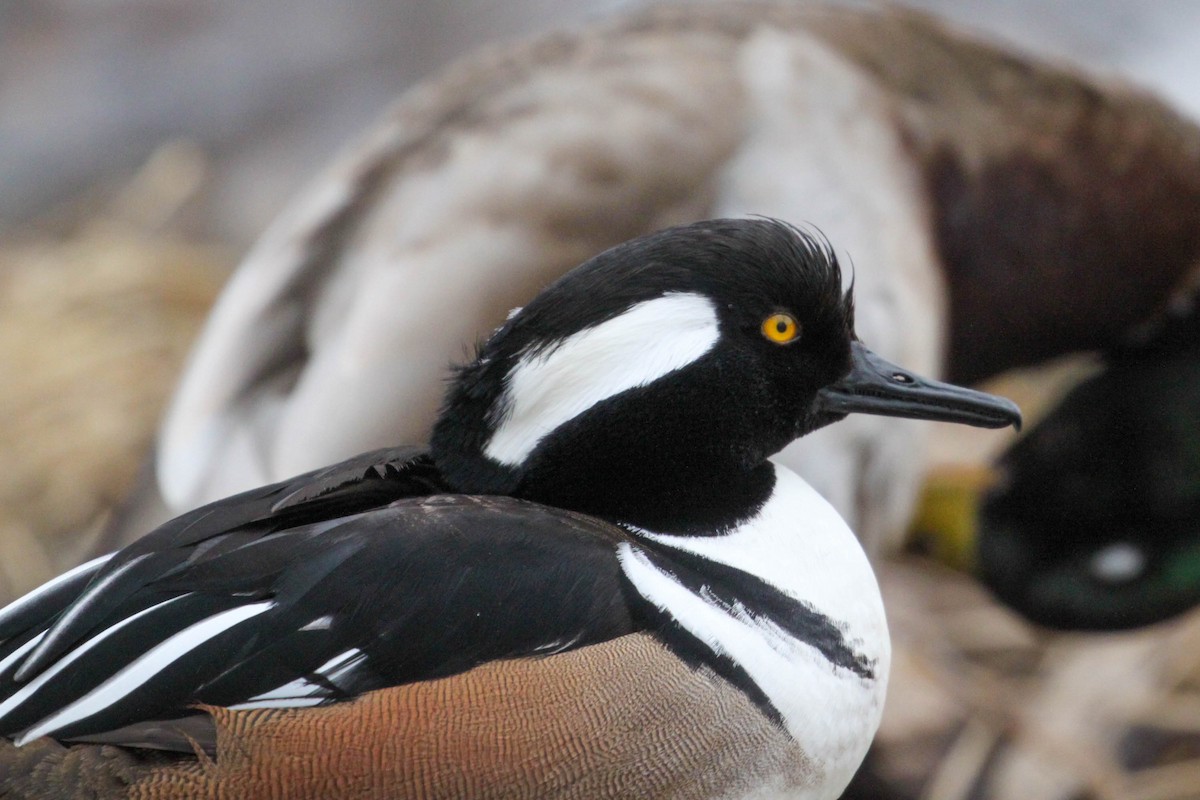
(876, 386)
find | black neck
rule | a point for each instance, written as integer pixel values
(690, 502)
(655, 473)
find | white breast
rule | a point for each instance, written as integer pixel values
(800, 545)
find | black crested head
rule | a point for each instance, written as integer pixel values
(650, 384)
(647, 367)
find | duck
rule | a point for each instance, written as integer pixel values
(593, 582)
(1091, 522)
(998, 206)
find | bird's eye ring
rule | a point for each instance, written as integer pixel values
(781, 328)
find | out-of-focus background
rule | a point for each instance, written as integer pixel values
(145, 144)
(268, 90)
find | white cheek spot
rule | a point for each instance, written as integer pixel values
(1119, 562)
(553, 386)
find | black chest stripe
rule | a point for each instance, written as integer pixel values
(696, 653)
(729, 588)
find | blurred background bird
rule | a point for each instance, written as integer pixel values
(956, 170)
(994, 211)
(1095, 525)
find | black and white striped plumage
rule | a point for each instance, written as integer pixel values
(599, 470)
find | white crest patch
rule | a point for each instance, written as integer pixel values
(548, 388)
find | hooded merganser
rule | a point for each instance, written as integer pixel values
(596, 516)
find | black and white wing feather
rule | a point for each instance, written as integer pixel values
(62, 611)
(420, 588)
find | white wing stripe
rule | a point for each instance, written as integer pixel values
(338, 666)
(302, 690)
(282, 702)
(144, 668)
(70, 657)
(28, 599)
(291, 690)
(81, 604)
(20, 651)
(319, 624)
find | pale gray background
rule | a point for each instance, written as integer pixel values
(271, 88)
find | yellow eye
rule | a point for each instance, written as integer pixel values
(781, 329)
